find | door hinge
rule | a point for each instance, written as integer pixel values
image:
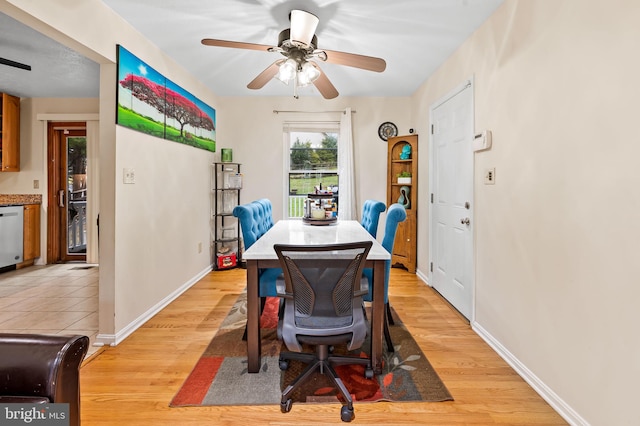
(432, 198)
(432, 129)
(431, 267)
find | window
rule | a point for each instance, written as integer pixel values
(311, 162)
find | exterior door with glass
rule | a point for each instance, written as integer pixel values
(67, 219)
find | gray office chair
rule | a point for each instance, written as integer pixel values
(322, 307)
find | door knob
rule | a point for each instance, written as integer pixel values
(465, 221)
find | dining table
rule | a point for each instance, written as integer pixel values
(295, 231)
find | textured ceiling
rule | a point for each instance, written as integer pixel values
(414, 37)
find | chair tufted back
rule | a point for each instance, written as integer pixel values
(395, 215)
(266, 215)
(371, 215)
(255, 220)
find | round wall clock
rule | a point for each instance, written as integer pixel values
(387, 130)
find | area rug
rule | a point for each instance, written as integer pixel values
(220, 376)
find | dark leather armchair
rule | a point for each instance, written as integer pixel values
(322, 308)
(42, 369)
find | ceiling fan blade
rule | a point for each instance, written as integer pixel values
(303, 26)
(266, 75)
(369, 63)
(324, 86)
(11, 63)
(235, 44)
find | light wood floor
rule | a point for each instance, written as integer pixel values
(133, 383)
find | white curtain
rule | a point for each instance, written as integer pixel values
(346, 172)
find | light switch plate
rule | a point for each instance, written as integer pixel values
(128, 175)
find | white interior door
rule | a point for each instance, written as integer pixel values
(451, 207)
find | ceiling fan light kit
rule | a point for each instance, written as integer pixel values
(287, 71)
(299, 45)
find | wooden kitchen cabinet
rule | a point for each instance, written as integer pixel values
(405, 244)
(10, 133)
(31, 248)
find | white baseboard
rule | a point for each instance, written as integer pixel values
(423, 277)
(114, 339)
(561, 407)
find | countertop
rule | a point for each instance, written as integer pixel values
(19, 199)
(294, 231)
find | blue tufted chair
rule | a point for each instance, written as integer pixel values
(371, 215)
(266, 213)
(255, 220)
(395, 215)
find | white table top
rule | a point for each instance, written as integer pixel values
(299, 233)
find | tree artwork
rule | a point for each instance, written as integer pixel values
(168, 102)
(150, 103)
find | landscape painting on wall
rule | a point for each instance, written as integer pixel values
(150, 103)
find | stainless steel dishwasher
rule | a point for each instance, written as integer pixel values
(11, 235)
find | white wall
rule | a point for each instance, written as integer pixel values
(149, 231)
(556, 237)
(160, 220)
(249, 126)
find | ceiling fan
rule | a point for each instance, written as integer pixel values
(11, 63)
(299, 45)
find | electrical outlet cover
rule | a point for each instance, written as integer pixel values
(128, 175)
(490, 176)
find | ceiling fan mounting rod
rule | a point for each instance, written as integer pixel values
(285, 42)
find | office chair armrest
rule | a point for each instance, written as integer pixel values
(362, 292)
(285, 295)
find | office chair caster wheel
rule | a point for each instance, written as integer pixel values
(285, 406)
(347, 414)
(283, 364)
(368, 373)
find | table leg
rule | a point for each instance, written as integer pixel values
(253, 317)
(377, 316)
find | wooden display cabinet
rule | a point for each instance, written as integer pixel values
(399, 163)
(10, 133)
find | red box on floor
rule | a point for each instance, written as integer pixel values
(227, 261)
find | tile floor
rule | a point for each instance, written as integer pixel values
(52, 299)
